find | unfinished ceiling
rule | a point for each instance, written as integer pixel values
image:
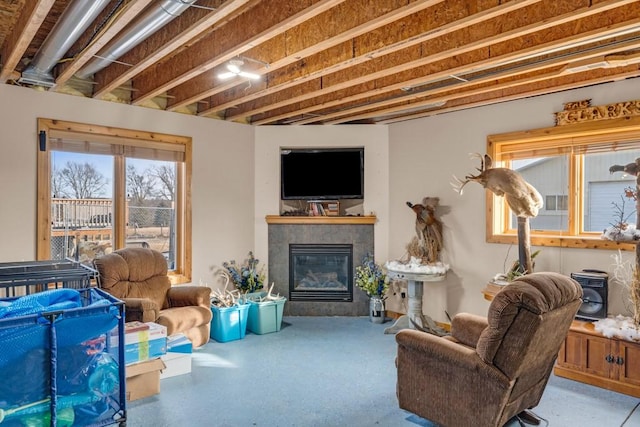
(316, 61)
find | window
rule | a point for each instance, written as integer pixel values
(569, 166)
(556, 203)
(101, 189)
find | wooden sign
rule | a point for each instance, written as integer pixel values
(582, 111)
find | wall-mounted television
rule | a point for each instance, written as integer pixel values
(322, 174)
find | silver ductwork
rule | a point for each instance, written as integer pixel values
(144, 26)
(74, 21)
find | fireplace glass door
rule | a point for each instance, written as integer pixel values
(320, 272)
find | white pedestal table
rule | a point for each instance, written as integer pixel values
(415, 319)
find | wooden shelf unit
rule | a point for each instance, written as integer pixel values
(591, 358)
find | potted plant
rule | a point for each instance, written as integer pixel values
(247, 277)
(371, 278)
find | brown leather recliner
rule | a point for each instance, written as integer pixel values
(138, 276)
(489, 369)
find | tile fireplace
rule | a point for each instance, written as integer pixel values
(312, 263)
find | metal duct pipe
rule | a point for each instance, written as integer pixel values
(74, 21)
(148, 23)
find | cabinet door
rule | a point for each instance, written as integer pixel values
(629, 366)
(597, 356)
(572, 353)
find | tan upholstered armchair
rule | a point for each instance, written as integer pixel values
(138, 276)
(489, 369)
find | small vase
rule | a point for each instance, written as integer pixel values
(376, 310)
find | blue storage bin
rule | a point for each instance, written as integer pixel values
(265, 317)
(229, 323)
(55, 359)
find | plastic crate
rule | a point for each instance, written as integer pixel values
(265, 317)
(56, 362)
(229, 323)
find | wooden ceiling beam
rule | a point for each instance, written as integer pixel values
(397, 43)
(226, 43)
(352, 113)
(17, 42)
(343, 30)
(449, 96)
(454, 47)
(553, 85)
(125, 17)
(467, 66)
(485, 86)
(173, 36)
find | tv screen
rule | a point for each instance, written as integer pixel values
(322, 174)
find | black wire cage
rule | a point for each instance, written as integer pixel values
(28, 277)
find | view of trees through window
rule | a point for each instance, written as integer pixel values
(82, 203)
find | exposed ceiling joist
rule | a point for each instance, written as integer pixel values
(199, 87)
(202, 19)
(393, 45)
(13, 47)
(398, 64)
(328, 61)
(187, 65)
(127, 14)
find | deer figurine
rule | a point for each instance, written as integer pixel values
(523, 199)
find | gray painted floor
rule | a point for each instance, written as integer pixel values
(329, 371)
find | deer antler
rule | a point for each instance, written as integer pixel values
(482, 159)
(458, 185)
(485, 162)
(523, 199)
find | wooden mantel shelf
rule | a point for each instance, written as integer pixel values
(278, 219)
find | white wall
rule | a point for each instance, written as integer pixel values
(236, 175)
(374, 139)
(223, 164)
(425, 153)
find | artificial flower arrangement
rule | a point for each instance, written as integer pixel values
(371, 278)
(248, 276)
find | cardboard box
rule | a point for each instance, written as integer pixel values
(175, 364)
(143, 341)
(143, 379)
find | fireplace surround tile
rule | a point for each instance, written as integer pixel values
(280, 236)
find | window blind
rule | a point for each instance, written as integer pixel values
(62, 140)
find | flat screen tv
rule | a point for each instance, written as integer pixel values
(322, 174)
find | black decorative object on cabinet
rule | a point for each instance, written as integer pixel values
(595, 293)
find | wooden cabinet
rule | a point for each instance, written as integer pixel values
(591, 358)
